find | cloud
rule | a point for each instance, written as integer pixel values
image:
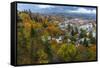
(21, 6)
(84, 10)
(45, 6)
(52, 8)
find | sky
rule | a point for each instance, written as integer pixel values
(55, 8)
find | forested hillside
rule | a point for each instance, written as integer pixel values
(44, 39)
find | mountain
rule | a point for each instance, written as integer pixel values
(73, 15)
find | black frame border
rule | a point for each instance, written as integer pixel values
(13, 34)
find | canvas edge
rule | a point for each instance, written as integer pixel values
(13, 34)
